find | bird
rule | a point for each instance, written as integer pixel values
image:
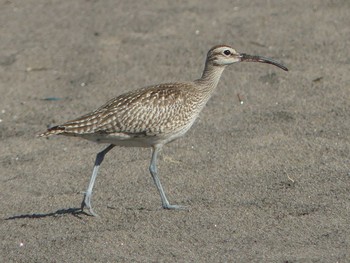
(152, 116)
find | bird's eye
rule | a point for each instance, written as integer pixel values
(227, 52)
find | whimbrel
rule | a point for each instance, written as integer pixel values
(152, 116)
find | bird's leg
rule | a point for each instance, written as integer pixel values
(87, 195)
(154, 173)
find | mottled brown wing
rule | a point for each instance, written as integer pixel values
(151, 110)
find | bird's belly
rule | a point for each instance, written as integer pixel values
(120, 140)
(140, 139)
(177, 133)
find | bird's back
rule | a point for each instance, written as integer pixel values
(156, 111)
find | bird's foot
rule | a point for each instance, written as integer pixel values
(87, 203)
(175, 207)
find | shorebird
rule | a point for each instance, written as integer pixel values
(152, 116)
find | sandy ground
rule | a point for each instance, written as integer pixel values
(266, 181)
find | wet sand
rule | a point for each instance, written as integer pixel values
(266, 180)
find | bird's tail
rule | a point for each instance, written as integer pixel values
(52, 131)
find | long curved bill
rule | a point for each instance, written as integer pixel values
(251, 58)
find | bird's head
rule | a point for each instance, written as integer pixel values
(224, 55)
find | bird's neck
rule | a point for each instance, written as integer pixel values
(210, 77)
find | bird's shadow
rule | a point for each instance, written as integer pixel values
(76, 212)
